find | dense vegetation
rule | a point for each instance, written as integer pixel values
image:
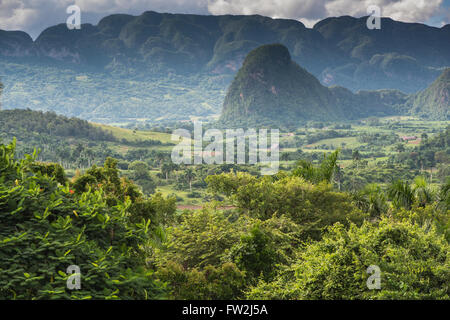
(433, 102)
(46, 226)
(288, 236)
(26, 123)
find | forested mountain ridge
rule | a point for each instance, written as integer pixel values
(270, 88)
(338, 50)
(164, 64)
(27, 122)
(404, 56)
(433, 102)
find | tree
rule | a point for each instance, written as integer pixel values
(422, 192)
(413, 262)
(372, 200)
(324, 172)
(167, 168)
(142, 177)
(314, 207)
(400, 147)
(189, 175)
(46, 227)
(401, 194)
(356, 156)
(256, 254)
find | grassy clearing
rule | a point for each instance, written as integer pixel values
(135, 135)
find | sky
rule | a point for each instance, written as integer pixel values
(33, 16)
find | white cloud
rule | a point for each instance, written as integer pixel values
(310, 11)
(401, 10)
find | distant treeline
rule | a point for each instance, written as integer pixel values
(22, 123)
(145, 143)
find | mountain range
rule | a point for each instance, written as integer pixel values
(142, 57)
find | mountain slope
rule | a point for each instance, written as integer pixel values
(340, 51)
(399, 55)
(271, 88)
(168, 67)
(434, 102)
(181, 42)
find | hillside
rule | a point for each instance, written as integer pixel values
(271, 88)
(400, 55)
(169, 67)
(25, 123)
(76, 143)
(340, 50)
(434, 102)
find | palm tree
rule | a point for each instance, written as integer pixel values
(338, 175)
(401, 194)
(400, 147)
(166, 169)
(372, 200)
(324, 172)
(422, 192)
(356, 157)
(189, 175)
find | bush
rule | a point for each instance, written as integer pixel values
(414, 263)
(46, 227)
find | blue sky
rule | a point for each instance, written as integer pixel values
(442, 17)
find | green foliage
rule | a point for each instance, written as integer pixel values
(25, 122)
(256, 253)
(433, 152)
(401, 194)
(141, 176)
(224, 282)
(324, 172)
(414, 264)
(313, 207)
(200, 239)
(371, 199)
(433, 102)
(45, 228)
(52, 170)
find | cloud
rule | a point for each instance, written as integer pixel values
(313, 10)
(401, 10)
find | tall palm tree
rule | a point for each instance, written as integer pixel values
(356, 156)
(324, 172)
(422, 192)
(189, 175)
(372, 199)
(401, 194)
